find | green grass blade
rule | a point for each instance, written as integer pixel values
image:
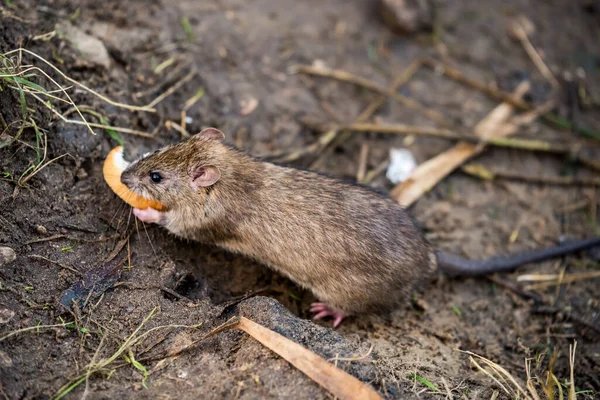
(111, 132)
(425, 382)
(30, 84)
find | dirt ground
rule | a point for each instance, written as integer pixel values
(65, 221)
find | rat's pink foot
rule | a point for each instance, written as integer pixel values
(148, 215)
(322, 310)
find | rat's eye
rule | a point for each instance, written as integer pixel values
(156, 177)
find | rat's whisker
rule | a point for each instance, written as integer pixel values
(116, 213)
(120, 220)
(129, 217)
(137, 228)
(149, 240)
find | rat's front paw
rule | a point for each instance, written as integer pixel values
(149, 215)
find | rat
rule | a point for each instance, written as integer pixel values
(355, 248)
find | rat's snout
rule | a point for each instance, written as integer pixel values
(126, 179)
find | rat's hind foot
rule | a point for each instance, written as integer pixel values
(322, 310)
(148, 215)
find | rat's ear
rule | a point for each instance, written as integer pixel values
(210, 133)
(203, 176)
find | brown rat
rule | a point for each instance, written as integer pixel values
(356, 249)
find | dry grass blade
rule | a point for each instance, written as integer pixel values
(90, 124)
(132, 340)
(372, 174)
(173, 88)
(486, 372)
(23, 180)
(520, 33)
(39, 89)
(500, 374)
(42, 95)
(324, 140)
(33, 328)
(362, 162)
(79, 84)
(530, 386)
(339, 383)
(572, 348)
(39, 257)
(482, 172)
(553, 277)
(357, 358)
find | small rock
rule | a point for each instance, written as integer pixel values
(91, 48)
(41, 229)
(5, 138)
(6, 315)
(5, 360)
(81, 174)
(181, 374)
(7, 255)
(407, 16)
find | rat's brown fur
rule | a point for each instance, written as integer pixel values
(353, 248)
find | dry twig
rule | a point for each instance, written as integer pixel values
(482, 172)
(373, 86)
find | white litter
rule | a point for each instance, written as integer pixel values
(402, 164)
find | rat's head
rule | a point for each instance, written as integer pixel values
(178, 172)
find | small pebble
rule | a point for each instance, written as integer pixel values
(181, 374)
(6, 315)
(5, 360)
(7, 255)
(81, 174)
(407, 16)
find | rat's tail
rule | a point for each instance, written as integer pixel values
(454, 265)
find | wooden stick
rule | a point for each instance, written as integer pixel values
(428, 174)
(338, 382)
